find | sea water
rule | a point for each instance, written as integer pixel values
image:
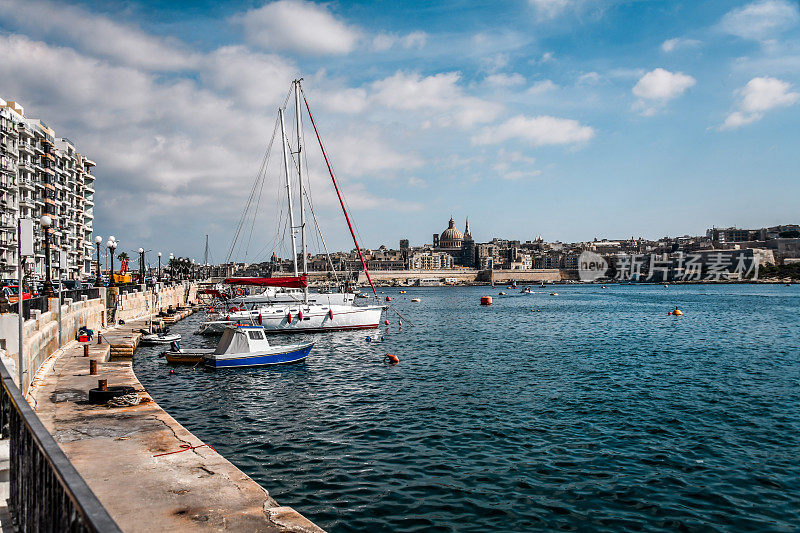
(593, 410)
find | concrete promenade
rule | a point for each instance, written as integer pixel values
(146, 469)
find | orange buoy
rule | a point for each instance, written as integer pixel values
(388, 299)
(486, 300)
(391, 359)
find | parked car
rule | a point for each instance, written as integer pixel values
(12, 293)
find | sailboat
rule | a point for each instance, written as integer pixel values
(304, 315)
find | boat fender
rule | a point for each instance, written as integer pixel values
(390, 359)
(399, 322)
(368, 339)
(227, 319)
(289, 317)
(300, 315)
(330, 313)
(260, 320)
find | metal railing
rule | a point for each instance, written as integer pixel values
(47, 493)
(39, 302)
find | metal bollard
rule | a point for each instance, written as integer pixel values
(86, 350)
(99, 338)
(102, 384)
(92, 367)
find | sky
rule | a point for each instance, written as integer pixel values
(569, 119)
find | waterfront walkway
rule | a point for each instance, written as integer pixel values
(146, 469)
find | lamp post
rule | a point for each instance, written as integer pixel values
(112, 245)
(99, 281)
(141, 266)
(48, 290)
(193, 275)
(159, 267)
(171, 268)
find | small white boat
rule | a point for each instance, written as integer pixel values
(526, 290)
(244, 346)
(415, 300)
(159, 338)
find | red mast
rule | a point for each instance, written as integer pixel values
(335, 186)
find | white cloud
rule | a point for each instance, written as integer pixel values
(252, 78)
(542, 87)
(416, 39)
(363, 152)
(439, 93)
(514, 165)
(505, 80)
(299, 26)
(97, 35)
(589, 78)
(758, 96)
(761, 20)
(386, 41)
(537, 131)
(416, 182)
(344, 100)
(657, 87)
(671, 45)
(548, 9)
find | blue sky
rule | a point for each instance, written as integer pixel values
(570, 119)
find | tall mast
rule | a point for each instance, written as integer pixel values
(300, 179)
(288, 190)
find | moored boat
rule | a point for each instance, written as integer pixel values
(245, 346)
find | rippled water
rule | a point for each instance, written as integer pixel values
(599, 412)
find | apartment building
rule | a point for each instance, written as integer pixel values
(41, 174)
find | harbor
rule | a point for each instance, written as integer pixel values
(296, 266)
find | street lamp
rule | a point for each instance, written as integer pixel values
(193, 275)
(98, 282)
(141, 266)
(112, 245)
(46, 222)
(159, 267)
(171, 268)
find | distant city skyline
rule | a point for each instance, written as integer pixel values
(570, 119)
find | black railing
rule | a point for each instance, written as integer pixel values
(76, 294)
(39, 303)
(47, 493)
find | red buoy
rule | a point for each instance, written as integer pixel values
(388, 299)
(386, 322)
(486, 300)
(391, 359)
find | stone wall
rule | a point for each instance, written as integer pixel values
(140, 303)
(41, 330)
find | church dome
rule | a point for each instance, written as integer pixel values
(451, 237)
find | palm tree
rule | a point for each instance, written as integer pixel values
(122, 256)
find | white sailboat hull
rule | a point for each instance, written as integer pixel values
(299, 319)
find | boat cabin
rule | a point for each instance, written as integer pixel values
(242, 339)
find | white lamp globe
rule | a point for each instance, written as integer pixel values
(98, 239)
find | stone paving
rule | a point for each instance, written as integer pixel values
(147, 470)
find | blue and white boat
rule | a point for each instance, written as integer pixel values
(241, 346)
